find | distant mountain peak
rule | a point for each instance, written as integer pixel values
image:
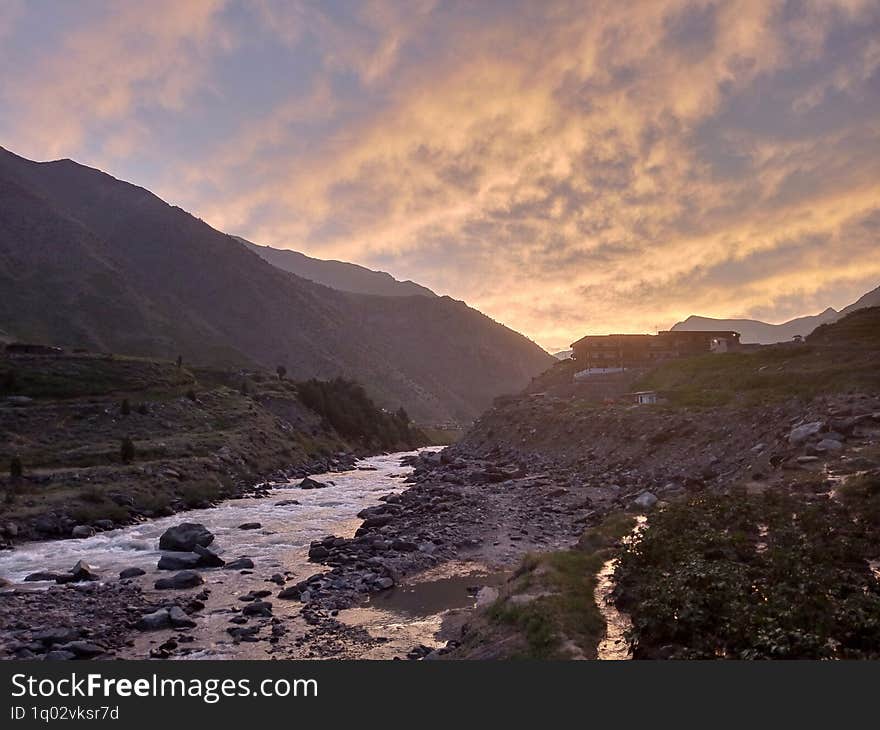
(755, 331)
(339, 275)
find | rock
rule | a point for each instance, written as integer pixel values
(309, 483)
(79, 572)
(829, 445)
(105, 524)
(131, 573)
(384, 583)
(486, 596)
(208, 558)
(258, 608)
(807, 459)
(240, 564)
(59, 655)
(318, 552)
(183, 579)
(404, 546)
(184, 537)
(5, 582)
(154, 621)
(179, 619)
(82, 531)
(57, 635)
(286, 502)
(803, 433)
(181, 561)
(292, 593)
(83, 649)
(42, 575)
(645, 500)
(250, 526)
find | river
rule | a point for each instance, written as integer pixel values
(388, 625)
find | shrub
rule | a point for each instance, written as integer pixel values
(126, 450)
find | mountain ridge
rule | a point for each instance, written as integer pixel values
(87, 260)
(340, 275)
(756, 331)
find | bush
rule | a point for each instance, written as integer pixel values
(126, 450)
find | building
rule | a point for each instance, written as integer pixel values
(644, 397)
(607, 353)
(28, 348)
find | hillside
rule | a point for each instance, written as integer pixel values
(757, 483)
(198, 435)
(754, 331)
(89, 261)
(339, 275)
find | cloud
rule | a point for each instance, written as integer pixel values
(565, 167)
(122, 60)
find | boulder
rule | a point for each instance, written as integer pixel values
(258, 608)
(79, 572)
(292, 593)
(154, 621)
(309, 483)
(82, 531)
(805, 432)
(286, 502)
(179, 619)
(646, 500)
(184, 537)
(59, 655)
(131, 573)
(250, 526)
(829, 446)
(57, 635)
(182, 580)
(318, 552)
(180, 561)
(42, 575)
(83, 649)
(240, 564)
(208, 558)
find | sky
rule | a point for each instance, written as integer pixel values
(565, 167)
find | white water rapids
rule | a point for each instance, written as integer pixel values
(281, 541)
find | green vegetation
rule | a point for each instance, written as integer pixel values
(837, 358)
(345, 406)
(195, 435)
(550, 603)
(752, 577)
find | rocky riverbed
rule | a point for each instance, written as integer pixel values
(386, 560)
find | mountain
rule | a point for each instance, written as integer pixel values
(752, 330)
(87, 260)
(563, 354)
(339, 275)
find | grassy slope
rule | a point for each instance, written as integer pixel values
(199, 435)
(841, 357)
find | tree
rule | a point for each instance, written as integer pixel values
(16, 470)
(126, 450)
(125, 408)
(282, 371)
